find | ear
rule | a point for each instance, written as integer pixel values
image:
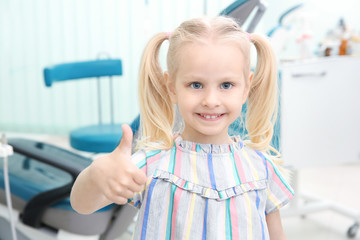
(251, 76)
(170, 85)
(247, 88)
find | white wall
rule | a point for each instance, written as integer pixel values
(37, 33)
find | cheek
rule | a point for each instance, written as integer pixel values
(235, 102)
(238, 97)
(185, 102)
(243, 96)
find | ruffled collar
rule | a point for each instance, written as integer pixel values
(184, 145)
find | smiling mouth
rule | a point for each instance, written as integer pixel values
(210, 116)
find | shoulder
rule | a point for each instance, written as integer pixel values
(272, 167)
(144, 155)
(149, 160)
(261, 161)
(276, 173)
(257, 157)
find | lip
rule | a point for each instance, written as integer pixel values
(210, 116)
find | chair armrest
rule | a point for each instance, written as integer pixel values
(54, 156)
(60, 158)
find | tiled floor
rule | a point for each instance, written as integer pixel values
(338, 184)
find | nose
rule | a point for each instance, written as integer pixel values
(211, 98)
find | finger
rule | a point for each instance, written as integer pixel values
(119, 200)
(139, 177)
(136, 178)
(117, 190)
(126, 140)
(136, 187)
(126, 193)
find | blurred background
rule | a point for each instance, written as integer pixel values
(38, 33)
(35, 34)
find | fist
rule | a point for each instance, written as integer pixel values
(115, 175)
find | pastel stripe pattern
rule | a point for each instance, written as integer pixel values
(239, 167)
(228, 220)
(205, 220)
(234, 220)
(177, 197)
(204, 191)
(211, 171)
(261, 220)
(170, 212)
(279, 180)
(190, 218)
(172, 160)
(194, 168)
(235, 170)
(253, 170)
(147, 209)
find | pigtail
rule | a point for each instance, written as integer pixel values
(263, 98)
(156, 109)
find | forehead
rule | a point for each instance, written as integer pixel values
(211, 59)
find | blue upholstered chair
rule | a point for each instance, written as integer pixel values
(100, 137)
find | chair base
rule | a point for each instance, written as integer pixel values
(67, 219)
(5, 231)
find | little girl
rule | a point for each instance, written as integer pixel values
(200, 183)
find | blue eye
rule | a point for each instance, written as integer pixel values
(226, 85)
(196, 85)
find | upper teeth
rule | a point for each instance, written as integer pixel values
(210, 116)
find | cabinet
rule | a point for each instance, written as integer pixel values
(320, 124)
(320, 111)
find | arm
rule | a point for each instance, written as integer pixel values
(112, 178)
(274, 224)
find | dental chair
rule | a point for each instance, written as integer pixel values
(41, 178)
(281, 23)
(241, 11)
(41, 174)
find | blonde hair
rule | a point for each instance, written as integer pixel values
(156, 109)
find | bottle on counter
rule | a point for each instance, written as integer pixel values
(343, 47)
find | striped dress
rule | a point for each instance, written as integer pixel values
(205, 191)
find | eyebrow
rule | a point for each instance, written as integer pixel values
(200, 78)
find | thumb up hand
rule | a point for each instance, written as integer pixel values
(115, 175)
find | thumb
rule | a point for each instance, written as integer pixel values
(126, 140)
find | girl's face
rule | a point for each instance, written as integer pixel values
(209, 89)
